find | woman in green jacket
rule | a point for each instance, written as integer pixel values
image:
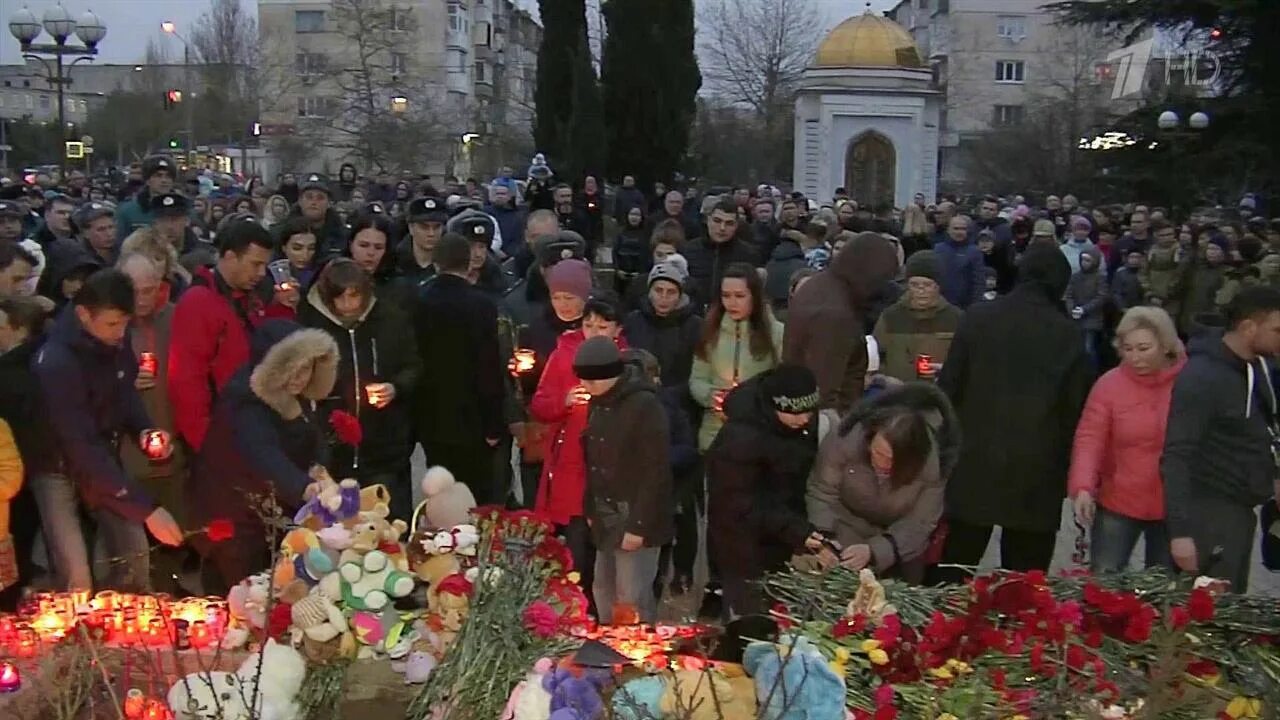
(741, 339)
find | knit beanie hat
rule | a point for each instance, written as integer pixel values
(791, 389)
(598, 359)
(924, 264)
(674, 269)
(1044, 227)
(572, 276)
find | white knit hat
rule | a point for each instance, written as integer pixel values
(675, 268)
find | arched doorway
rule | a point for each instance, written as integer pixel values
(871, 170)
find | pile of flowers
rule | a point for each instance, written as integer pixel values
(1024, 645)
(524, 604)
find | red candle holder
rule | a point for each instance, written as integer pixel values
(156, 445)
(924, 366)
(10, 678)
(147, 363)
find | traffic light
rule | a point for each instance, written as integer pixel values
(172, 97)
(173, 143)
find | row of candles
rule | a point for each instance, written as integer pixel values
(115, 618)
(643, 643)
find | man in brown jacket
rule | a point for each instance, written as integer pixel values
(629, 503)
(826, 318)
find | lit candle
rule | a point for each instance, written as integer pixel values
(156, 445)
(181, 634)
(373, 391)
(525, 360)
(10, 678)
(147, 363)
(134, 704)
(924, 366)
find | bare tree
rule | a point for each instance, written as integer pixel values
(756, 52)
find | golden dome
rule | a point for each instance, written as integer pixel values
(868, 40)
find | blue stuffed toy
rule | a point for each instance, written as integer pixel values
(574, 697)
(639, 699)
(809, 689)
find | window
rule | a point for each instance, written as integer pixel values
(1012, 27)
(31, 103)
(480, 77)
(313, 107)
(400, 18)
(44, 102)
(399, 63)
(1006, 115)
(456, 61)
(311, 63)
(455, 17)
(1009, 71)
(308, 21)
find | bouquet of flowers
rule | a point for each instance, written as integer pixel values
(524, 605)
(1024, 645)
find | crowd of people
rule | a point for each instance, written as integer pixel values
(820, 383)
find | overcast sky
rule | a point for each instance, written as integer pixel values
(131, 22)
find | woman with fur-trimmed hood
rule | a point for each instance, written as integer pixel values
(263, 439)
(881, 478)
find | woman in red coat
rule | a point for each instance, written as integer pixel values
(1115, 482)
(561, 403)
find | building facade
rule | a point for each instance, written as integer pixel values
(1000, 64)
(422, 85)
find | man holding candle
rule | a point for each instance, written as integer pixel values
(86, 377)
(149, 337)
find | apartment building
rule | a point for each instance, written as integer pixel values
(999, 61)
(460, 71)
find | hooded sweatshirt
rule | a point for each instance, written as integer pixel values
(825, 319)
(1217, 441)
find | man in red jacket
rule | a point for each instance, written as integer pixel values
(213, 322)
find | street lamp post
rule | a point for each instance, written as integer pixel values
(1170, 125)
(171, 29)
(60, 26)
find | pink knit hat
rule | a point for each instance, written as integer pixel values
(572, 276)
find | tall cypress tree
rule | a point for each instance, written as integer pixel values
(649, 81)
(562, 86)
(585, 143)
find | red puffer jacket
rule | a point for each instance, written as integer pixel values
(208, 344)
(563, 483)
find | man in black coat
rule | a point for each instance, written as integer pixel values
(459, 401)
(709, 256)
(1018, 377)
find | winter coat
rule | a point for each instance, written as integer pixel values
(729, 363)
(11, 475)
(786, 259)
(331, 235)
(1002, 260)
(964, 274)
(378, 347)
(209, 342)
(262, 441)
(459, 400)
(1203, 283)
(631, 253)
(707, 263)
(999, 227)
(904, 333)
(1087, 290)
(562, 485)
(683, 447)
(1017, 375)
(826, 319)
(1217, 441)
(1163, 278)
(622, 495)
(88, 398)
(1116, 453)
(625, 199)
(756, 474)
(20, 405)
(672, 339)
(1126, 289)
(510, 222)
(1125, 245)
(63, 263)
(164, 480)
(847, 498)
(134, 213)
(1072, 249)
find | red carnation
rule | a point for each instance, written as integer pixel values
(346, 428)
(1179, 617)
(884, 695)
(456, 585)
(541, 619)
(220, 530)
(1200, 605)
(846, 626)
(781, 615)
(279, 620)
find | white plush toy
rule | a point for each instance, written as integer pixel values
(226, 696)
(448, 502)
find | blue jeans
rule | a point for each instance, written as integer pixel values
(1115, 535)
(624, 577)
(125, 542)
(1093, 347)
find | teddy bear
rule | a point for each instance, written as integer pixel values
(818, 693)
(273, 676)
(447, 502)
(304, 561)
(707, 695)
(247, 601)
(317, 619)
(328, 502)
(371, 583)
(452, 603)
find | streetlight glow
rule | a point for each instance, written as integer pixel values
(168, 27)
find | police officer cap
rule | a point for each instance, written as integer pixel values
(473, 225)
(428, 209)
(170, 205)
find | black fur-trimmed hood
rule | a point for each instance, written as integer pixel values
(922, 397)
